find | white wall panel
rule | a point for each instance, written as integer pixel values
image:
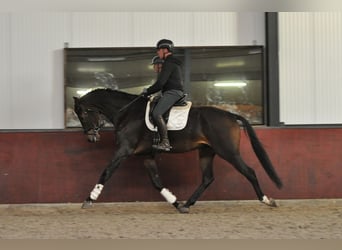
(102, 29)
(200, 28)
(37, 70)
(309, 65)
(215, 28)
(145, 28)
(250, 28)
(328, 71)
(5, 80)
(149, 27)
(296, 68)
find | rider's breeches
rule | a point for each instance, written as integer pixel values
(165, 102)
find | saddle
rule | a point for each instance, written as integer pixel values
(175, 118)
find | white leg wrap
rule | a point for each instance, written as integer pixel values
(168, 195)
(265, 200)
(96, 191)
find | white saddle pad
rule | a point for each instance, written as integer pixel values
(177, 119)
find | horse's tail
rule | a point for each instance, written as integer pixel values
(260, 151)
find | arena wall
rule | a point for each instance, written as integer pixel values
(61, 166)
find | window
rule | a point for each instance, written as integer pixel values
(229, 77)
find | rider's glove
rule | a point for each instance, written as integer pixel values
(144, 93)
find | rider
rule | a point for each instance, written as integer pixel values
(170, 83)
(157, 64)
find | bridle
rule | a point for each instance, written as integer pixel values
(92, 129)
(95, 128)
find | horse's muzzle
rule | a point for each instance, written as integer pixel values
(93, 136)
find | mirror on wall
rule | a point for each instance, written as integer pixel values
(229, 77)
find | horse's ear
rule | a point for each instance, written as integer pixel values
(76, 99)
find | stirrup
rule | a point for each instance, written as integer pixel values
(164, 145)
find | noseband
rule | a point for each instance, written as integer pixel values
(95, 130)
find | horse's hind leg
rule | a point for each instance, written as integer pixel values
(206, 155)
(249, 173)
(152, 168)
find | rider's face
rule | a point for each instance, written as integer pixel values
(160, 53)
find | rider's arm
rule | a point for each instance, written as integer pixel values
(163, 77)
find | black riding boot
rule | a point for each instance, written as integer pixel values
(164, 143)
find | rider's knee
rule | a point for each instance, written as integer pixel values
(156, 115)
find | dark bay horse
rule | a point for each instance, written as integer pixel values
(209, 130)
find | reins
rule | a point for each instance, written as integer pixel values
(129, 104)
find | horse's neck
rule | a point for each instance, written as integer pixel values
(112, 108)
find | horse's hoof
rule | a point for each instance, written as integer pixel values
(269, 201)
(87, 204)
(182, 209)
(272, 203)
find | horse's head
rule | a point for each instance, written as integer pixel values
(90, 118)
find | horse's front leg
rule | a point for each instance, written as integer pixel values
(152, 168)
(106, 174)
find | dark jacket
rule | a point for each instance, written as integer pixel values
(169, 78)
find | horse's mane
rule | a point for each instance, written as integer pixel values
(117, 92)
(110, 101)
(102, 92)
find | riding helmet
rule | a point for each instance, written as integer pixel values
(165, 43)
